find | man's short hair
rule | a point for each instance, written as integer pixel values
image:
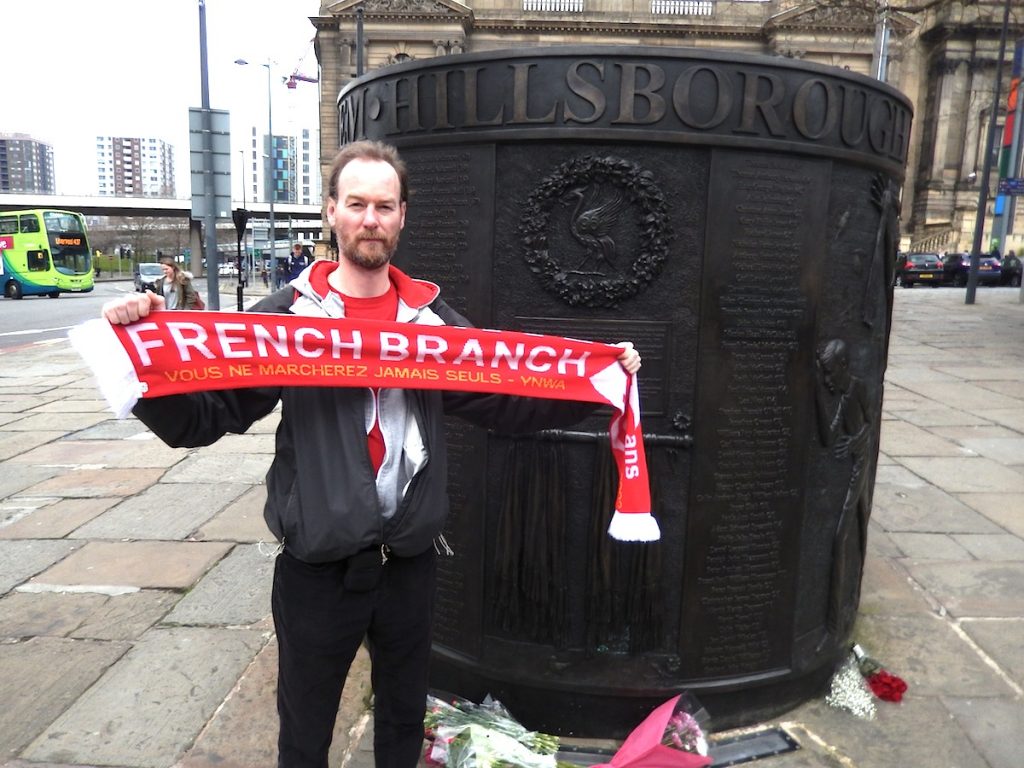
(367, 150)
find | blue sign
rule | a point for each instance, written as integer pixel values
(1011, 186)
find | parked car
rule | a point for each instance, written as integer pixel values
(958, 267)
(147, 276)
(925, 268)
(1011, 270)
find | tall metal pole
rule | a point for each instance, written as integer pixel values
(210, 217)
(359, 41)
(979, 222)
(272, 165)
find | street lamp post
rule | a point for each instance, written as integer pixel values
(979, 221)
(271, 175)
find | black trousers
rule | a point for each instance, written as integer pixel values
(320, 626)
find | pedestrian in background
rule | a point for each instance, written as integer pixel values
(356, 492)
(176, 287)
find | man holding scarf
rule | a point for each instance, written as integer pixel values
(356, 491)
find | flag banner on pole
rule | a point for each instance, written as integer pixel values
(170, 353)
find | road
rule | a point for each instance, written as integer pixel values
(37, 320)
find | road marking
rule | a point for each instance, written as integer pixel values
(36, 330)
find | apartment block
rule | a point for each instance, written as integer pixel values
(134, 167)
(26, 165)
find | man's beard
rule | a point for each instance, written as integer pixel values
(379, 257)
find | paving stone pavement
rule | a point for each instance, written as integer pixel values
(134, 591)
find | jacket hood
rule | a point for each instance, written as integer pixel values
(414, 295)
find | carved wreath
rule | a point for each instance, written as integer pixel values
(640, 196)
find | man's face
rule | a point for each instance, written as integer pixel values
(367, 214)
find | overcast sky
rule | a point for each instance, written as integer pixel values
(78, 69)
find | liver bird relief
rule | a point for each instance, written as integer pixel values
(592, 224)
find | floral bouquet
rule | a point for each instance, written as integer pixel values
(670, 737)
(468, 735)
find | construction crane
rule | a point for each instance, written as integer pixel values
(296, 77)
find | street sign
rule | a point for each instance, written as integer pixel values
(218, 171)
(1011, 186)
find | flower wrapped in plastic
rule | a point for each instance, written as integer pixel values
(476, 746)
(672, 736)
(471, 735)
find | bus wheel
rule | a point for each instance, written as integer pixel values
(13, 290)
(54, 295)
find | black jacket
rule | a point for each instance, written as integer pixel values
(322, 500)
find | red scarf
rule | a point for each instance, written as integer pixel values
(175, 352)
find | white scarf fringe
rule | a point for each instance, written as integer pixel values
(115, 375)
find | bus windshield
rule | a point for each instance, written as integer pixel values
(69, 248)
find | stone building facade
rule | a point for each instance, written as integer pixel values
(941, 53)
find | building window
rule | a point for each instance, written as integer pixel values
(554, 6)
(683, 7)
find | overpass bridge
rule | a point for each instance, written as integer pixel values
(300, 215)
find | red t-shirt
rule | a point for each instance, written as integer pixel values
(383, 307)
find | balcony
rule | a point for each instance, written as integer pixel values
(553, 6)
(682, 7)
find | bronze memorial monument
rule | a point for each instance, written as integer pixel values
(737, 218)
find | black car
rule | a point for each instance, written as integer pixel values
(925, 268)
(958, 267)
(1011, 270)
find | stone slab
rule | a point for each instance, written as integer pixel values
(901, 438)
(111, 453)
(223, 467)
(40, 678)
(976, 373)
(933, 546)
(970, 475)
(1004, 509)
(163, 511)
(19, 560)
(907, 735)
(147, 710)
(968, 397)
(242, 520)
(141, 564)
(1012, 418)
(90, 483)
(23, 403)
(977, 431)
(73, 405)
(126, 617)
(988, 724)
(115, 429)
(66, 422)
(996, 546)
(55, 520)
(50, 615)
(243, 733)
(1009, 450)
(941, 416)
(925, 509)
(1001, 639)
(973, 588)
(944, 666)
(235, 592)
(15, 478)
(887, 590)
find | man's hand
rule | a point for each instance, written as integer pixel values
(630, 358)
(131, 307)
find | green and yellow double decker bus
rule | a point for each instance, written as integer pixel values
(44, 253)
